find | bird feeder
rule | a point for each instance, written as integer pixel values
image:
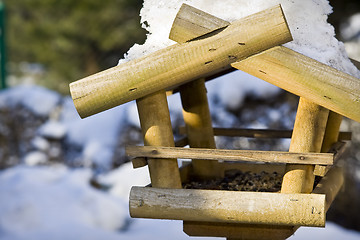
(208, 47)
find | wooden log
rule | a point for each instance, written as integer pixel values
(157, 131)
(231, 155)
(180, 63)
(330, 138)
(191, 23)
(308, 135)
(228, 206)
(307, 78)
(198, 125)
(237, 231)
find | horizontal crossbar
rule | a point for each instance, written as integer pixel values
(230, 155)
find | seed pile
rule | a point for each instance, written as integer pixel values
(241, 181)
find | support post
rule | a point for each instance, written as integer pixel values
(332, 131)
(198, 125)
(157, 131)
(308, 135)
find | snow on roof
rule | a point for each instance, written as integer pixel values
(307, 19)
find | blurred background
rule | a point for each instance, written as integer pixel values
(52, 43)
(49, 44)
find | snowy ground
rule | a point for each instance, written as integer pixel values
(58, 203)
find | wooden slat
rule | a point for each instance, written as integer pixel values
(307, 78)
(180, 63)
(228, 206)
(231, 155)
(260, 133)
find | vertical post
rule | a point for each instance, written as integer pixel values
(2, 46)
(332, 131)
(308, 135)
(157, 131)
(198, 124)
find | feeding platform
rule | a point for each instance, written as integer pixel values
(207, 47)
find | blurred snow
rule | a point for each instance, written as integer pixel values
(39, 100)
(38, 203)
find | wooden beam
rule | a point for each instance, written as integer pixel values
(228, 206)
(180, 63)
(308, 135)
(157, 131)
(231, 155)
(307, 78)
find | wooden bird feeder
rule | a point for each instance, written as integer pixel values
(207, 47)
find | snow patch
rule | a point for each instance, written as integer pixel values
(38, 100)
(39, 202)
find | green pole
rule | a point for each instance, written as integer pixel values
(2, 47)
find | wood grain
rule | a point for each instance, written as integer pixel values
(228, 206)
(231, 155)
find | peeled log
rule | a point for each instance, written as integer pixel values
(228, 206)
(180, 63)
(308, 78)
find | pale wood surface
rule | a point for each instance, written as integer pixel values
(191, 23)
(307, 78)
(180, 63)
(231, 155)
(228, 206)
(308, 135)
(157, 131)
